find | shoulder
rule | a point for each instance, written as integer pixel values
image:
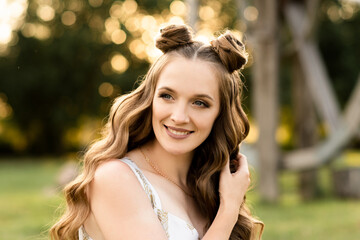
(119, 203)
(114, 177)
(113, 169)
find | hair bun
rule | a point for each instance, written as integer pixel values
(230, 50)
(173, 36)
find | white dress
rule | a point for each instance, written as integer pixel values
(175, 227)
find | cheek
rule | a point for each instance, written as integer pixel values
(206, 122)
(158, 110)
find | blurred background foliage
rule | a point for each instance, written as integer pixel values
(63, 61)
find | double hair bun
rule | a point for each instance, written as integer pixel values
(230, 50)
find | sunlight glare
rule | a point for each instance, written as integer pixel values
(12, 15)
(5, 33)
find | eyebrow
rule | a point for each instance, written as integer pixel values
(197, 95)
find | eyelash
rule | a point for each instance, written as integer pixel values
(202, 104)
(197, 103)
(165, 96)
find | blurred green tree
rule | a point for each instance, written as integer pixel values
(53, 74)
(73, 56)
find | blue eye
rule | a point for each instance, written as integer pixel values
(165, 96)
(201, 103)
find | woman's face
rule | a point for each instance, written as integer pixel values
(185, 105)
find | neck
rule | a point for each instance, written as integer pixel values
(175, 166)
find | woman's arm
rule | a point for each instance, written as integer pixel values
(123, 211)
(120, 206)
(232, 189)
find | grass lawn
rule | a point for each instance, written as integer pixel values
(28, 198)
(29, 203)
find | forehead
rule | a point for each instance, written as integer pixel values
(192, 76)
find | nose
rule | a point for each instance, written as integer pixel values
(180, 114)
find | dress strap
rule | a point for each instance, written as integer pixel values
(151, 193)
(146, 185)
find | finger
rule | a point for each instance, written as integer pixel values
(243, 164)
(226, 168)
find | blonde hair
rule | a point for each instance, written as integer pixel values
(129, 126)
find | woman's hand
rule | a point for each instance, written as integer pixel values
(233, 186)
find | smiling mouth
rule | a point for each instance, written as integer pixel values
(179, 132)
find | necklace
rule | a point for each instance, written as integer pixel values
(158, 171)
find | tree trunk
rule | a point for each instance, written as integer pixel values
(265, 72)
(305, 129)
(193, 9)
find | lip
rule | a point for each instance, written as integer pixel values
(177, 136)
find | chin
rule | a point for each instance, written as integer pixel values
(178, 149)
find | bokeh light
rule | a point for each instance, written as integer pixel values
(137, 47)
(5, 33)
(111, 24)
(68, 18)
(45, 13)
(333, 13)
(204, 35)
(132, 24)
(42, 32)
(74, 6)
(251, 13)
(96, 22)
(115, 10)
(178, 8)
(148, 23)
(12, 15)
(5, 108)
(206, 13)
(176, 20)
(106, 89)
(346, 11)
(118, 36)
(95, 3)
(129, 7)
(28, 30)
(119, 63)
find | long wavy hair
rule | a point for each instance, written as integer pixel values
(129, 126)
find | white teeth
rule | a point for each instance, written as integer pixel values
(177, 132)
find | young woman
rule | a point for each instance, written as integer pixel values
(168, 165)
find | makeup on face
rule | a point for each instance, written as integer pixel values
(185, 105)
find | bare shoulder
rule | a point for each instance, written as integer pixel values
(114, 182)
(119, 203)
(113, 170)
